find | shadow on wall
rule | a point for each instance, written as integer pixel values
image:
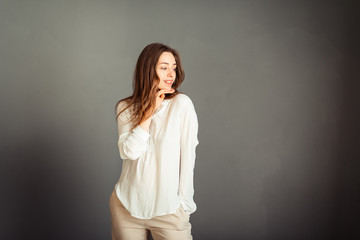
(296, 211)
(42, 191)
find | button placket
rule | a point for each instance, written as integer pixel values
(151, 144)
(152, 131)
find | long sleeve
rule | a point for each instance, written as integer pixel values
(160, 180)
(132, 144)
(188, 143)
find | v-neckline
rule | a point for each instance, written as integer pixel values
(165, 101)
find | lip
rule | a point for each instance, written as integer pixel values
(169, 81)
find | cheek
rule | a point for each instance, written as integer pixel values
(162, 76)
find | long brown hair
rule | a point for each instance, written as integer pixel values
(145, 82)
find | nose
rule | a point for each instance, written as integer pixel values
(170, 72)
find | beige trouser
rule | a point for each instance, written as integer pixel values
(174, 226)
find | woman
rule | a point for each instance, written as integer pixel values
(158, 129)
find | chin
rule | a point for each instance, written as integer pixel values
(166, 87)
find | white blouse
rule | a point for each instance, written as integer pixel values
(158, 166)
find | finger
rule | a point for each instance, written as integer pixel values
(166, 91)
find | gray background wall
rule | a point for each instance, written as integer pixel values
(274, 83)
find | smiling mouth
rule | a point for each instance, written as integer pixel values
(168, 82)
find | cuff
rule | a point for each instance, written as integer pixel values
(139, 131)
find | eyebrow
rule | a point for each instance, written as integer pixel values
(167, 63)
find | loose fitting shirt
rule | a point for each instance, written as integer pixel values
(158, 166)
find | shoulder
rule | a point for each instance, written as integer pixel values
(182, 99)
(121, 106)
(184, 103)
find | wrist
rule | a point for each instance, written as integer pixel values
(145, 124)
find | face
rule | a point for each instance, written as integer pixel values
(166, 70)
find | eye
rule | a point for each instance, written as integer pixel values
(166, 68)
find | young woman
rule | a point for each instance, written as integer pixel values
(158, 130)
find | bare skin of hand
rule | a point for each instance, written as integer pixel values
(161, 95)
(159, 99)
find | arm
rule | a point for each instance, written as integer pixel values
(188, 143)
(132, 144)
